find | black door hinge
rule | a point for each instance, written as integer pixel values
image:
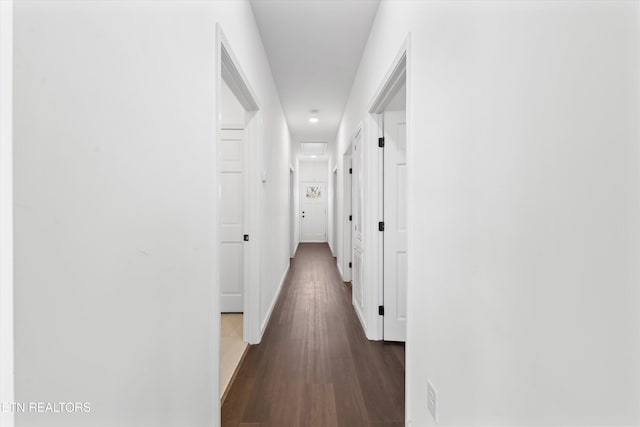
(381, 310)
(381, 142)
(350, 265)
(350, 218)
(381, 226)
(350, 170)
(246, 238)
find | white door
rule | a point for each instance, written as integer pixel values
(292, 214)
(348, 220)
(313, 211)
(232, 219)
(334, 212)
(357, 255)
(395, 226)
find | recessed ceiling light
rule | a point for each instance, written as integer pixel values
(314, 116)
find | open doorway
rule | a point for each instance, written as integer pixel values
(389, 121)
(334, 212)
(313, 200)
(233, 220)
(237, 299)
(292, 212)
(232, 154)
(395, 218)
(345, 268)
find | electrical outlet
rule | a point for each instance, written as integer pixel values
(432, 397)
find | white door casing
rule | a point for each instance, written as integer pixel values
(292, 214)
(348, 212)
(334, 213)
(356, 226)
(313, 212)
(395, 226)
(232, 220)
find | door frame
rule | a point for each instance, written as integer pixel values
(386, 178)
(347, 204)
(292, 213)
(333, 214)
(398, 73)
(399, 70)
(301, 186)
(228, 69)
(300, 201)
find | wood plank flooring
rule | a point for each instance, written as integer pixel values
(314, 366)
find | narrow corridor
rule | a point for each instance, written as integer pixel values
(314, 366)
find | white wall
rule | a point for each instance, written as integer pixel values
(6, 211)
(274, 226)
(313, 170)
(115, 205)
(524, 207)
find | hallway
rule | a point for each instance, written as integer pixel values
(314, 366)
(462, 175)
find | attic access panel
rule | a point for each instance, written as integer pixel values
(314, 148)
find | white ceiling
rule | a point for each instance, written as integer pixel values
(314, 47)
(314, 148)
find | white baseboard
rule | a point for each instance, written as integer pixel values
(295, 249)
(265, 322)
(361, 319)
(340, 271)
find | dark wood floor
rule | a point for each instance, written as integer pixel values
(314, 366)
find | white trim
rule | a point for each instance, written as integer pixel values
(301, 185)
(228, 68)
(392, 79)
(332, 198)
(293, 244)
(6, 212)
(360, 318)
(274, 301)
(233, 75)
(376, 206)
(408, 385)
(400, 68)
(347, 243)
(295, 250)
(253, 282)
(231, 72)
(396, 74)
